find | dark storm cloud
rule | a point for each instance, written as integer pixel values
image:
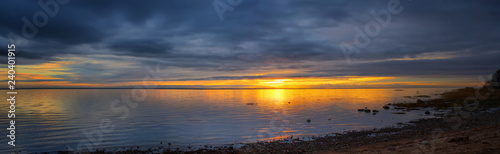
(68, 26)
(141, 47)
(460, 26)
(258, 33)
(479, 64)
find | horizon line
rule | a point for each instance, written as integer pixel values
(233, 88)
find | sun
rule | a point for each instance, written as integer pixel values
(274, 83)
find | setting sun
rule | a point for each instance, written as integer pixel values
(274, 83)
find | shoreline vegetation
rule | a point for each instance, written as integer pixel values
(462, 129)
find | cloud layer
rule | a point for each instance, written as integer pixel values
(113, 41)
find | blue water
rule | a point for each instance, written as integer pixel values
(57, 119)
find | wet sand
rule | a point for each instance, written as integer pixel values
(483, 139)
(478, 133)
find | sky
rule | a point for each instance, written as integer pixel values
(251, 43)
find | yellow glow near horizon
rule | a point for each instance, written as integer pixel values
(274, 83)
(60, 74)
(350, 82)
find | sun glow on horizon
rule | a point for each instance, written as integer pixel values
(61, 74)
(275, 83)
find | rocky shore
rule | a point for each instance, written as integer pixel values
(480, 139)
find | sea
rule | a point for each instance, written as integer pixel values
(48, 120)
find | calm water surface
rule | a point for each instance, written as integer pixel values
(53, 119)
